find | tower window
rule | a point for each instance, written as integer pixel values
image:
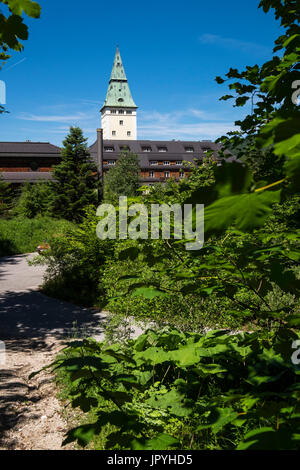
(113, 111)
(121, 111)
(128, 133)
(113, 132)
(128, 112)
(121, 123)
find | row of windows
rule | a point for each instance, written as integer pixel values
(164, 149)
(166, 162)
(120, 111)
(114, 133)
(149, 149)
(166, 174)
(152, 163)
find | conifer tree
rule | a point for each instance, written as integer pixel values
(122, 179)
(6, 196)
(76, 181)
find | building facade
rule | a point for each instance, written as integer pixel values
(159, 160)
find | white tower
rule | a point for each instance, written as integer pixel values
(118, 113)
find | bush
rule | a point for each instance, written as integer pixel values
(75, 263)
(23, 235)
(35, 199)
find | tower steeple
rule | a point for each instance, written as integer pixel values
(119, 109)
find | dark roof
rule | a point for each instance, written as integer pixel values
(176, 150)
(29, 147)
(25, 176)
(173, 146)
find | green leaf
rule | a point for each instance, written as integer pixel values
(218, 418)
(172, 401)
(267, 438)
(245, 211)
(148, 292)
(17, 7)
(160, 442)
(82, 434)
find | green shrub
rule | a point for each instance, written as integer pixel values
(23, 235)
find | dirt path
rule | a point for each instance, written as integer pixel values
(30, 414)
(34, 328)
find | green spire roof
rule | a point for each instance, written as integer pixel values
(118, 93)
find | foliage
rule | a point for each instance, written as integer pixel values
(75, 263)
(218, 390)
(6, 197)
(168, 390)
(35, 199)
(23, 235)
(122, 179)
(12, 28)
(76, 182)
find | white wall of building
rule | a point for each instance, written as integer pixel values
(119, 125)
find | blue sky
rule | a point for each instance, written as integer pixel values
(171, 50)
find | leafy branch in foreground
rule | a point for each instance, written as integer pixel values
(168, 390)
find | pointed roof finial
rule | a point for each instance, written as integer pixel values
(118, 93)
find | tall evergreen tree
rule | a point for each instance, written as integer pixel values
(123, 178)
(76, 182)
(6, 197)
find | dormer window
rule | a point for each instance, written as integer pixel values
(109, 149)
(166, 162)
(189, 149)
(206, 149)
(179, 162)
(153, 163)
(146, 149)
(111, 162)
(162, 149)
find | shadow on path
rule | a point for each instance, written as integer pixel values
(30, 314)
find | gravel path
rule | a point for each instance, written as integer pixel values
(33, 328)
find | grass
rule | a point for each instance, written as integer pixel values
(22, 235)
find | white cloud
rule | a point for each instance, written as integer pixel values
(231, 43)
(53, 118)
(186, 124)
